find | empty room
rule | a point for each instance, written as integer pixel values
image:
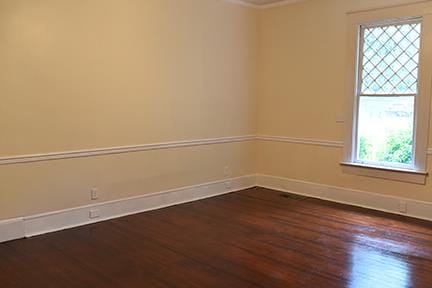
(215, 143)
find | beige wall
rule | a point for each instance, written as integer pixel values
(301, 92)
(99, 73)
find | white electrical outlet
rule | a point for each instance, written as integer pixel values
(94, 213)
(403, 207)
(227, 170)
(228, 185)
(94, 193)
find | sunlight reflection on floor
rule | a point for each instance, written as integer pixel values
(372, 268)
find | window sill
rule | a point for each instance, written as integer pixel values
(402, 175)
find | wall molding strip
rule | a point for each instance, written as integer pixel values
(380, 202)
(8, 160)
(265, 6)
(12, 229)
(242, 3)
(279, 4)
(29, 158)
(33, 225)
(304, 141)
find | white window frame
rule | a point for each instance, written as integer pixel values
(417, 174)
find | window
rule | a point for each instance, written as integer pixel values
(389, 102)
(386, 93)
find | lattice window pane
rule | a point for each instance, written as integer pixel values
(390, 59)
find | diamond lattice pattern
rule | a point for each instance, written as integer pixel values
(391, 59)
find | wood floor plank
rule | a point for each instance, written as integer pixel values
(252, 238)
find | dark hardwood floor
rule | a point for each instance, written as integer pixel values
(252, 238)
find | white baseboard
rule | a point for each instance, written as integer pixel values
(12, 229)
(415, 209)
(59, 220)
(69, 218)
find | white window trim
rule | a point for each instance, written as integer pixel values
(422, 104)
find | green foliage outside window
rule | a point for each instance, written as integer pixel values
(397, 149)
(365, 152)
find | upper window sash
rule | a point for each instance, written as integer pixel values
(396, 73)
